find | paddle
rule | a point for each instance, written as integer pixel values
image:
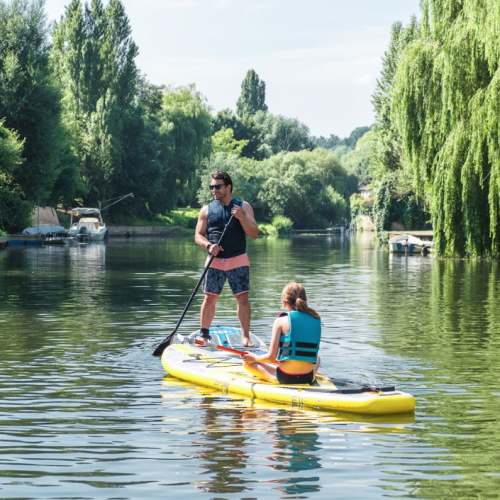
(227, 349)
(168, 339)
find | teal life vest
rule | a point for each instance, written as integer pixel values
(234, 242)
(302, 341)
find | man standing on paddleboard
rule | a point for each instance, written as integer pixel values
(230, 258)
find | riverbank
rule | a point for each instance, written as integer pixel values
(130, 231)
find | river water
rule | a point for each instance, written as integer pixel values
(87, 412)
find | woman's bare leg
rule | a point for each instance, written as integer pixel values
(316, 366)
(262, 370)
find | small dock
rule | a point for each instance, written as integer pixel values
(25, 240)
(423, 235)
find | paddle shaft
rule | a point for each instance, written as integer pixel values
(168, 339)
(227, 349)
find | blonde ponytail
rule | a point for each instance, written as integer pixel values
(295, 295)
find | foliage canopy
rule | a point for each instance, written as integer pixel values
(444, 107)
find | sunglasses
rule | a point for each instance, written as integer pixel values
(216, 186)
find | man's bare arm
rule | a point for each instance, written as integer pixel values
(246, 217)
(201, 228)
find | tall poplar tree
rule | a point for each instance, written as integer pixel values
(398, 199)
(93, 57)
(387, 156)
(253, 95)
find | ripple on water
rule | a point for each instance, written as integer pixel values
(87, 412)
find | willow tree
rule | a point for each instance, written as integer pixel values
(445, 106)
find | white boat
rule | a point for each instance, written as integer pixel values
(89, 225)
(406, 243)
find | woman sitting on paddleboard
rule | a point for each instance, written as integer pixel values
(294, 343)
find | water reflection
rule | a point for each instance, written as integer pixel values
(241, 443)
(450, 325)
(86, 408)
(227, 439)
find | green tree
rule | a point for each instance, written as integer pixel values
(93, 58)
(223, 141)
(387, 147)
(15, 213)
(246, 174)
(358, 160)
(445, 107)
(355, 135)
(145, 166)
(244, 129)
(253, 95)
(29, 100)
(306, 187)
(186, 117)
(347, 144)
(279, 133)
(11, 148)
(396, 201)
(327, 143)
(398, 198)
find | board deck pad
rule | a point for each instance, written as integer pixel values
(227, 336)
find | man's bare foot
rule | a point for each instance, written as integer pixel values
(247, 342)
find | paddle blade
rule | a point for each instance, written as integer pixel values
(166, 342)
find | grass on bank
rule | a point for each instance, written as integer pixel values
(187, 219)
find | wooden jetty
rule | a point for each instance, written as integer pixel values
(423, 235)
(25, 240)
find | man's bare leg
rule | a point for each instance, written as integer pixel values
(244, 312)
(208, 310)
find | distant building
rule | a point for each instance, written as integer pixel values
(365, 190)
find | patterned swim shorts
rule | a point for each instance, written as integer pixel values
(238, 279)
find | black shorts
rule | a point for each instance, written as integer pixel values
(296, 378)
(238, 279)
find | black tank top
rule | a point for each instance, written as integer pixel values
(234, 242)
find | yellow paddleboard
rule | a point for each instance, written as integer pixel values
(224, 371)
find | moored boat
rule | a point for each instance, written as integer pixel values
(88, 225)
(43, 234)
(408, 244)
(218, 369)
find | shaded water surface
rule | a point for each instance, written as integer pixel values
(86, 412)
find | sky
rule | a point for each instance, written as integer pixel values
(320, 59)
